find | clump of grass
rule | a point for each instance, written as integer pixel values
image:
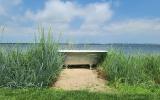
(152, 67)
(37, 66)
(131, 69)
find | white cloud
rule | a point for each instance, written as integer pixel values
(96, 15)
(2, 11)
(7, 5)
(54, 11)
(59, 14)
(135, 26)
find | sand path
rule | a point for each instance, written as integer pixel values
(80, 79)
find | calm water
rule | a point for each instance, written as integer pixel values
(128, 48)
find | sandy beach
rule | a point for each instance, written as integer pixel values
(80, 79)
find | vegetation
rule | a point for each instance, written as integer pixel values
(134, 76)
(139, 69)
(37, 66)
(52, 94)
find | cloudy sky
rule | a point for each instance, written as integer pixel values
(82, 21)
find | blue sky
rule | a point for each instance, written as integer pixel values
(82, 21)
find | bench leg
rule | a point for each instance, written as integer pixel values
(90, 66)
(66, 66)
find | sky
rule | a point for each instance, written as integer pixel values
(81, 21)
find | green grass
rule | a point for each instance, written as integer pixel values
(52, 94)
(138, 89)
(38, 66)
(131, 69)
(132, 74)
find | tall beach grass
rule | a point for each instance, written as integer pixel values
(38, 66)
(135, 69)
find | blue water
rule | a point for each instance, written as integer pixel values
(129, 48)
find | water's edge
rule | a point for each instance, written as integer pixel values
(129, 48)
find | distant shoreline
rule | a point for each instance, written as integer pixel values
(94, 43)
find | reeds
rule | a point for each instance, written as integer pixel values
(131, 69)
(37, 66)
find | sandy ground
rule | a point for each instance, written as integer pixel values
(80, 79)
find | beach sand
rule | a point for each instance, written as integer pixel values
(80, 79)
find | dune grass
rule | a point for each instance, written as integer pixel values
(38, 66)
(135, 69)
